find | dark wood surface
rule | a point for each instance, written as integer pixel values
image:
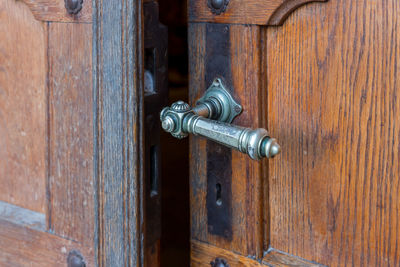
(118, 61)
(260, 12)
(333, 104)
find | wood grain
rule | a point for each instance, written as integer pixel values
(202, 254)
(118, 85)
(22, 246)
(71, 180)
(247, 185)
(22, 217)
(22, 107)
(54, 10)
(259, 12)
(333, 104)
(278, 258)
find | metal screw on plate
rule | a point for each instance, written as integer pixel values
(218, 262)
(73, 6)
(218, 6)
(75, 259)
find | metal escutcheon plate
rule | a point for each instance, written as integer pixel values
(230, 108)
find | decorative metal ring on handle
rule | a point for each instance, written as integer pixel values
(211, 118)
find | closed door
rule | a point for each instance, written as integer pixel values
(322, 78)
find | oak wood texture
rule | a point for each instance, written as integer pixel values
(22, 107)
(54, 10)
(202, 254)
(118, 117)
(246, 185)
(22, 246)
(333, 104)
(259, 12)
(71, 180)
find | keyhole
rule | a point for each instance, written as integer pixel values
(219, 200)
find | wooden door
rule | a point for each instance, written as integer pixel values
(322, 77)
(71, 134)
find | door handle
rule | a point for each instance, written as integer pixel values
(211, 118)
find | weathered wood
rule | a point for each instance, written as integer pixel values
(247, 185)
(22, 246)
(260, 12)
(202, 254)
(71, 180)
(54, 10)
(118, 77)
(22, 217)
(22, 107)
(333, 104)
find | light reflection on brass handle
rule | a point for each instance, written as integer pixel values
(211, 119)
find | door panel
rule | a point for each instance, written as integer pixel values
(46, 136)
(333, 103)
(72, 132)
(22, 107)
(325, 86)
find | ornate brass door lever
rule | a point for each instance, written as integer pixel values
(211, 118)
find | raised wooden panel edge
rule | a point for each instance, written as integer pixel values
(70, 134)
(287, 7)
(118, 132)
(276, 258)
(259, 12)
(202, 254)
(22, 246)
(54, 10)
(23, 217)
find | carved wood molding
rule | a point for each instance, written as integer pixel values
(54, 10)
(285, 9)
(259, 12)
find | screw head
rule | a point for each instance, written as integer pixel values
(218, 262)
(75, 259)
(73, 6)
(217, 4)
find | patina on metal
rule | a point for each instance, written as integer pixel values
(73, 6)
(211, 119)
(218, 6)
